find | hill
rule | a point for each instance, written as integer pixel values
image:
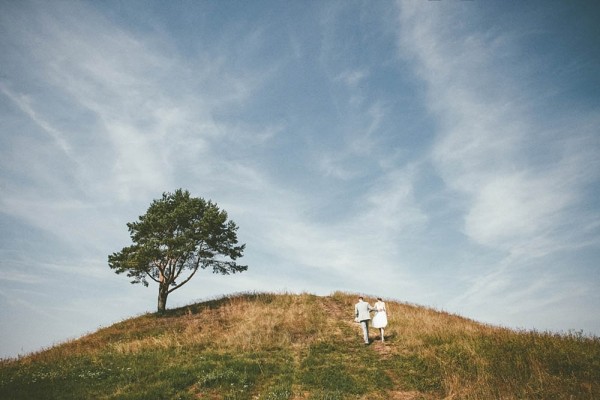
(286, 346)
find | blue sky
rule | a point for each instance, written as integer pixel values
(442, 153)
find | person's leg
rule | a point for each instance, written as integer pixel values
(365, 328)
(381, 331)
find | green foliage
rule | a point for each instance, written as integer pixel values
(178, 235)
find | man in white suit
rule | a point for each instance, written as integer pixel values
(362, 314)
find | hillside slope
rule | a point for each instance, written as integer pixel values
(286, 346)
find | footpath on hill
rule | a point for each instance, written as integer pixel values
(375, 358)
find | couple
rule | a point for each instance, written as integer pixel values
(362, 314)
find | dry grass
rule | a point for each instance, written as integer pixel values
(237, 324)
(457, 358)
(288, 346)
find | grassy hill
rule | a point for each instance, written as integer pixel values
(284, 346)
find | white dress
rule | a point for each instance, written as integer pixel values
(380, 319)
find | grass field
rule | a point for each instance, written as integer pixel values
(288, 346)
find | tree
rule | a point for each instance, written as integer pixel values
(178, 235)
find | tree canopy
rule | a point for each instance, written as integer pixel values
(178, 235)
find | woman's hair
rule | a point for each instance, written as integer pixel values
(379, 298)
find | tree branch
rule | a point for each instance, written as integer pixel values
(186, 280)
(151, 277)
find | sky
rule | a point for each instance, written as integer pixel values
(440, 153)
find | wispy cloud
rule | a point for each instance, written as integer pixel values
(393, 205)
(524, 175)
(488, 145)
(24, 104)
(139, 113)
(352, 78)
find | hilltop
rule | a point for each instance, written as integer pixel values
(302, 346)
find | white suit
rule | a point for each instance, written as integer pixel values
(362, 313)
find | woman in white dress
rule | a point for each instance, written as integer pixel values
(380, 319)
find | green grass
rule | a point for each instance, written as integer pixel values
(349, 371)
(275, 347)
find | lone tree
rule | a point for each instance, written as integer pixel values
(178, 235)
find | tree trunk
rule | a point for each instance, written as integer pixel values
(163, 292)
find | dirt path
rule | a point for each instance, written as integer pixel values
(351, 332)
(341, 320)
